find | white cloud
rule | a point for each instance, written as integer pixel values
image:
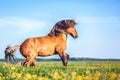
(21, 23)
(98, 19)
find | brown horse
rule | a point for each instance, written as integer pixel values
(53, 43)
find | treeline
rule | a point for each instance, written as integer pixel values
(71, 59)
(78, 59)
(92, 59)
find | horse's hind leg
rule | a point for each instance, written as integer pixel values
(32, 62)
(25, 62)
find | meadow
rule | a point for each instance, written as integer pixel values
(86, 70)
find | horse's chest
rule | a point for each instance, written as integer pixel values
(60, 47)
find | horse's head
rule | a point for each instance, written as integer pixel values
(70, 29)
(64, 26)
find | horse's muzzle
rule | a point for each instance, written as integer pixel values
(75, 37)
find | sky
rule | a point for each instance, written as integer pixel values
(98, 24)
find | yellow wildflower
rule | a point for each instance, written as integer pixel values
(95, 78)
(28, 76)
(34, 76)
(78, 78)
(87, 72)
(0, 78)
(1, 74)
(12, 68)
(87, 77)
(97, 74)
(73, 73)
(42, 78)
(55, 74)
(18, 75)
(112, 76)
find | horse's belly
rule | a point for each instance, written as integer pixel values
(45, 52)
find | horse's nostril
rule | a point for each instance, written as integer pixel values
(76, 36)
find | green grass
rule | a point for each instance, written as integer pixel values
(86, 70)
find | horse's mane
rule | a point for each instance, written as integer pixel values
(61, 27)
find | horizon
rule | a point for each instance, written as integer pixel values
(98, 25)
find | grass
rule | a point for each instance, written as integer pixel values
(86, 70)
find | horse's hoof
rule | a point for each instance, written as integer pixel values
(22, 63)
(32, 65)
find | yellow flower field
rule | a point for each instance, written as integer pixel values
(55, 71)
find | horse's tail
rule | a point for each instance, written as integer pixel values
(9, 54)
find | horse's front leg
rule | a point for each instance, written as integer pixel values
(65, 58)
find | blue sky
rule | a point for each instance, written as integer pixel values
(98, 24)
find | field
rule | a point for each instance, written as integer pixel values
(55, 71)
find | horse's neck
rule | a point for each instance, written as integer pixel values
(63, 37)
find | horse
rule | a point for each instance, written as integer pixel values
(51, 44)
(9, 51)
